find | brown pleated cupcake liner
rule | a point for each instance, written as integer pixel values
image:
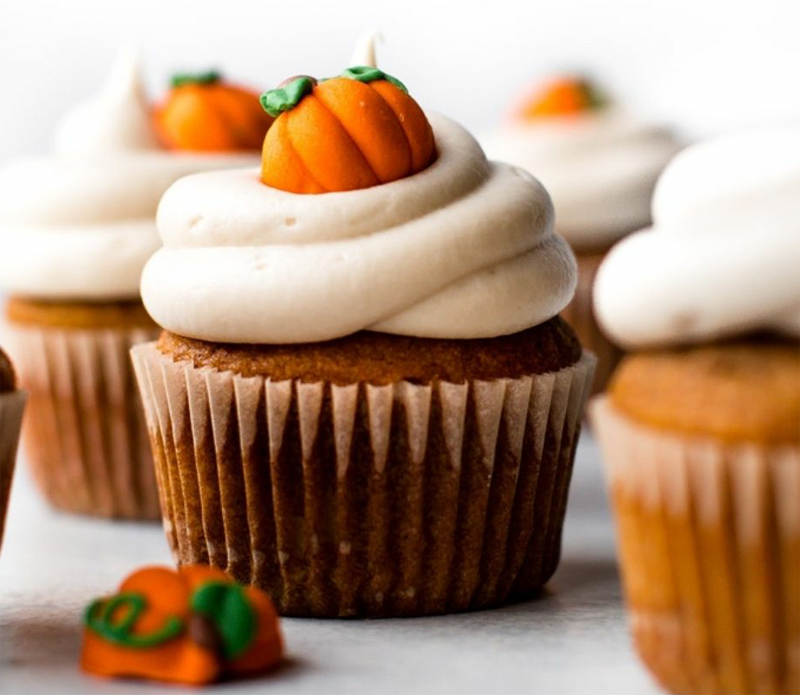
(709, 544)
(579, 314)
(11, 407)
(84, 433)
(364, 500)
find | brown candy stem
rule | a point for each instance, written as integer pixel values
(203, 631)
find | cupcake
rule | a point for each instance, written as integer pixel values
(599, 164)
(76, 229)
(12, 402)
(700, 428)
(364, 401)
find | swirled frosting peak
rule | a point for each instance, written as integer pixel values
(364, 51)
(723, 256)
(463, 249)
(116, 119)
(80, 224)
(598, 162)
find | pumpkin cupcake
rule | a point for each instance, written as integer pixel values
(701, 428)
(12, 402)
(364, 401)
(599, 164)
(76, 230)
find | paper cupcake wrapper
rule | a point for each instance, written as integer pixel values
(11, 407)
(579, 314)
(709, 543)
(364, 500)
(84, 434)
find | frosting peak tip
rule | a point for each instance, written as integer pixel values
(364, 51)
(116, 118)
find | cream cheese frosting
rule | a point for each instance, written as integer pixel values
(599, 167)
(723, 256)
(463, 249)
(80, 225)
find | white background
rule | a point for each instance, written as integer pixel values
(702, 65)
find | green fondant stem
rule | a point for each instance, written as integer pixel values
(276, 101)
(184, 78)
(364, 73)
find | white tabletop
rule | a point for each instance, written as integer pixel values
(573, 640)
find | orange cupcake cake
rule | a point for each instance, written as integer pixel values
(364, 402)
(701, 426)
(77, 229)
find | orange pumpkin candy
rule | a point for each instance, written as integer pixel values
(146, 629)
(203, 114)
(567, 96)
(344, 134)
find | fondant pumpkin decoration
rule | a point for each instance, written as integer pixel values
(190, 626)
(203, 114)
(354, 131)
(567, 96)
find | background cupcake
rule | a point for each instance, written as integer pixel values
(12, 402)
(701, 433)
(365, 402)
(599, 165)
(76, 229)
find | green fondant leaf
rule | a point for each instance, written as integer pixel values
(102, 617)
(364, 73)
(184, 78)
(228, 608)
(276, 101)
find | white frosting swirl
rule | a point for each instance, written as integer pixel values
(723, 256)
(463, 249)
(80, 225)
(599, 168)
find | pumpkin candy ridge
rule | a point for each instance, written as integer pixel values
(311, 124)
(411, 117)
(241, 116)
(172, 589)
(287, 172)
(385, 147)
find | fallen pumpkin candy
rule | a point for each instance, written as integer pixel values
(354, 131)
(193, 626)
(202, 113)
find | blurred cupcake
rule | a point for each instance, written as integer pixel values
(76, 229)
(12, 402)
(701, 433)
(364, 402)
(599, 165)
